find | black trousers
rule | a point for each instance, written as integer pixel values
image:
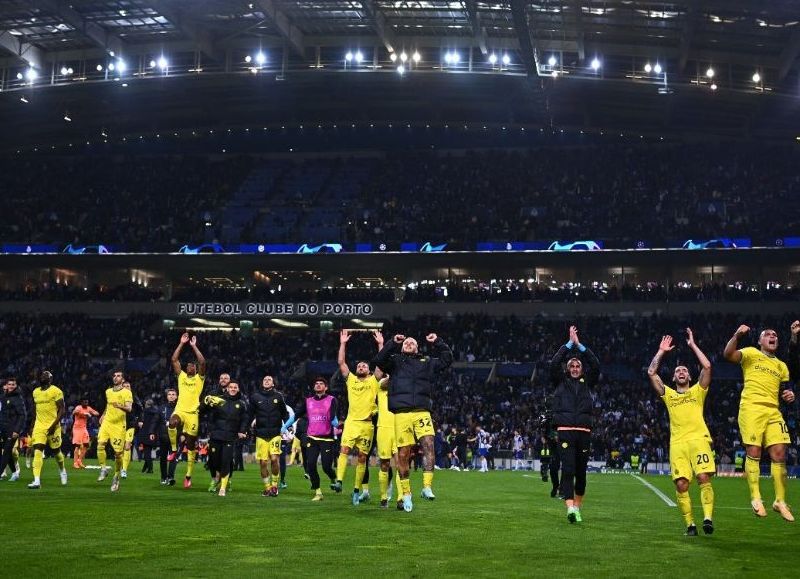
(238, 457)
(555, 463)
(220, 454)
(167, 468)
(574, 453)
(316, 449)
(148, 458)
(286, 447)
(8, 448)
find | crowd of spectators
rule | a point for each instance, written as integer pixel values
(656, 193)
(81, 351)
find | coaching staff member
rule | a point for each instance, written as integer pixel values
(572, 416)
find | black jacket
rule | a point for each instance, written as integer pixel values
(14, 416)
(227, 416)
(151, 424)
(268, 407)
(412, 375)
(572, 402)
(165, 411)
(134, 417)
(793, 361)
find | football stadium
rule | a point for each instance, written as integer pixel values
(420, 288)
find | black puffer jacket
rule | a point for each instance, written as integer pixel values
(228, 416)
(14, 416)
(412, 375)
(572, 402)
(268, 407)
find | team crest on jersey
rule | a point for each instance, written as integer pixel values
(274, 400)
(564, 444)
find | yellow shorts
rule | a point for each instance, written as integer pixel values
(40, 436)
(113, 434)
(386, 444)
(409, 427)
(266, 448)
(190, 422)
(690, 458)
(129, 435)
(358, 434)
(762, 426)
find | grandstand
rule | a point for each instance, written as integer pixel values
(265, 174)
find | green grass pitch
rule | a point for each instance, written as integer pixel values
(498, 524)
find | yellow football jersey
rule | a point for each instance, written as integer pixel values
(361, 397)
(189, 390)
(47, 403)
(762, 378)
(385, 417)
(114, 417)
(685, 409)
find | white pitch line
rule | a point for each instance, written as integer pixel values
(659, 494)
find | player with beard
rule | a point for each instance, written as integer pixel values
(48, 409)
(690, 451)
(359, 430)
(761, 424)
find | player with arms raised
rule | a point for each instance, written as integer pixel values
(690, 442)
(187, 410)
(761, 424)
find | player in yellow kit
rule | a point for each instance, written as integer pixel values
(690, 451)
(362, 389)
(761, 424)
(119, 401)
(187, 411)
(48, 404)
(387, 446)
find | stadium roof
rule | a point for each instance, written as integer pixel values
(737, 38)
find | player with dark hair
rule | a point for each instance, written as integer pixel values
(359, 431)
(761, 424)
(411, 384)
(321, 412)
(119, 401)
(572, 417)
(132, 421)
(228, 420)
(80, 434)
(269, 413)
(690, 451)
(48, 408)
(14, 419)
(187, 410)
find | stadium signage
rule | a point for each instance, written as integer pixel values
(285, 309)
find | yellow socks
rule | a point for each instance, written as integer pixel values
(383, 480)
(341, 466)
(101, 455)
(266, 480)
(117, 463)
(223, 484)
(405, 486)
(397, 484)
(276, 478)
(360, 470)
(38, 461)
(192, 457)
(707, 499)
(685, 505)
(126, 459)
(427, 479)
(752, 467)
(173, 438)
(778, 471)
(60, 460)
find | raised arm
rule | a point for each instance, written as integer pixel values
(652, 370)
(201, 360)
(341, 359)
(591, 365)
(176, 355)
(705, 365)
(444, 355)
(383, 359)
(379, 342)
(793, 356)
(732, 353)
